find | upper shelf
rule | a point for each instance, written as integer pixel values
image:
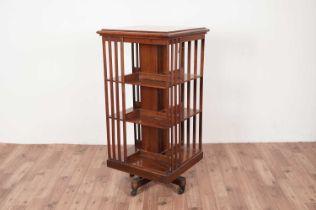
(160, 81)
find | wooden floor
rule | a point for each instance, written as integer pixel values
(230, 177)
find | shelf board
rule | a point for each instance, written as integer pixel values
(154, 118)
(160, 81)
(149, 160)
(156, 166)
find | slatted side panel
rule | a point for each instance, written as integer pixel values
(186, 60)
(194, 93)
(176, 102)
(113, 56)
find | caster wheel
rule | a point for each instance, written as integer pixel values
(133, 192)
(181, 190)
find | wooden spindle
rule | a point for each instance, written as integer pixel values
(176, 99)
(134, 93)
(123, 99)
(188, 91)
(138, 87)
(201, 93)
(106, 98)
(112, 99)
(117, 101)
(166, 94)
(195, 91)
(172, 104)
(180, 110)
(181, 57)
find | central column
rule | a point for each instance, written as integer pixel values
(154, 60)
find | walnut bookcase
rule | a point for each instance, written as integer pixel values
(166, 79)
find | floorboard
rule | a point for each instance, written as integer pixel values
(272, 176)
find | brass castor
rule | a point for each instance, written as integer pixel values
(181, 190)
(181, 182)
(133, 192)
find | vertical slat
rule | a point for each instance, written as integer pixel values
(181, 99)
(106, 98)
(201, 92)
(117, 102)
(123, 99)
(137, 55)
(172, 104)
(188, 90)
(194, 91)
(176, 101)
(138, 88)
(182, 91)
(133, 69)
(166, 94)
(112, 99)
(134, 93)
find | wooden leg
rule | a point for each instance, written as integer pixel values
(181, 182)
(136, 183)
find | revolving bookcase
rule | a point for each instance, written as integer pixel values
(165, 79)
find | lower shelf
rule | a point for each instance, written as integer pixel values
(155, 166)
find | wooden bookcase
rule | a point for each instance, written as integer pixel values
(166, 78)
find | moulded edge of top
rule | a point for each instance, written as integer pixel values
(152, 32)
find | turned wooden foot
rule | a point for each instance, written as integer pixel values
(181, 182)
(137, 182)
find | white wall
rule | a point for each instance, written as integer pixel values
(260, 70)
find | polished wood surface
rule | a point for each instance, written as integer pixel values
(153, 31)
(278, 176)
(161, 77)
(154, 118)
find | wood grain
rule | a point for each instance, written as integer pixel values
(155, 75)
(279, 176)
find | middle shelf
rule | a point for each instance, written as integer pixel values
(155, 80)
(155, 118)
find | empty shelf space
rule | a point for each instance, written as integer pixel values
(148, 80)
(160, 163)
(149, 160)
(160, 81)
(182, 153)
(154, 118)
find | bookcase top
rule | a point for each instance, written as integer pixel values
(153, 31)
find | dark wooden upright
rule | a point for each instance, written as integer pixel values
(166, 75)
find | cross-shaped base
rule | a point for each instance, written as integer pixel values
(137, 182)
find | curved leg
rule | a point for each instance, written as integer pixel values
(137, 182)
(181, 182)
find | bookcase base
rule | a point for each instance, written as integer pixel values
(138, 182)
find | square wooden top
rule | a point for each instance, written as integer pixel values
(153, 31)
